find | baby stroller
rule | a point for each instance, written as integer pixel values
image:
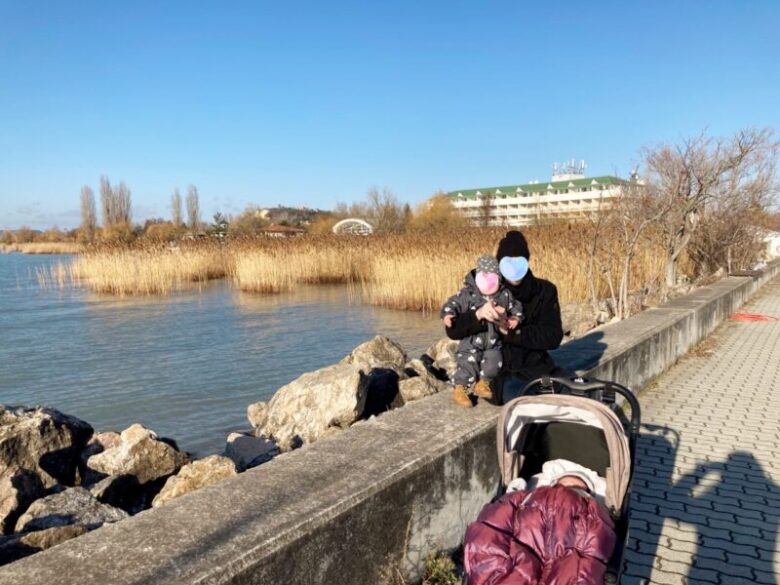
(579, 421)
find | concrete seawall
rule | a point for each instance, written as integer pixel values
(366, 505)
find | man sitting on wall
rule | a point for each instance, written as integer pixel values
(526, 348)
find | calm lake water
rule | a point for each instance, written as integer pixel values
(187, 365)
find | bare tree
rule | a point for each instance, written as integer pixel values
(176, 215)
(684, 179)
(193, 208)
(617, 230)
(122, 204)
(633, 213)
(485, 210)
(106, 202)
(729, 237)
(599, 223)
(385, 212)
(730, 234)
(88, 213)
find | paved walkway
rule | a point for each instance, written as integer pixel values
(706, 501)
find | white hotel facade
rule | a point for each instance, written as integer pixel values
(568, 196)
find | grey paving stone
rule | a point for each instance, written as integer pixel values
(706, 507)
(708, 543)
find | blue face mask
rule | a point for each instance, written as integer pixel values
(513, 268)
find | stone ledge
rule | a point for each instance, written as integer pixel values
(366, 505)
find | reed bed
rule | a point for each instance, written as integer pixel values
(146, 270)
(420, 272)
(413, 271)
(43, 248)
(271, 266)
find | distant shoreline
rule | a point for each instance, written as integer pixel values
(52, 248)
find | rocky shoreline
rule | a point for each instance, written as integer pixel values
(60, 479)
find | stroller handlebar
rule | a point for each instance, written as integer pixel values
(601, 390)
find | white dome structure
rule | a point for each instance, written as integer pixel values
(353, 227)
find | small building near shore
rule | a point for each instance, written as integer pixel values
(353, 227)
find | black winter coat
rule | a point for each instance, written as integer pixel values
(525, 348)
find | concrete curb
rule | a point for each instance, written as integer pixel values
(367, 505)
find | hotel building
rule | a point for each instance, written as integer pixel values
(569, 195)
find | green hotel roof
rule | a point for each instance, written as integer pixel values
(541, 187)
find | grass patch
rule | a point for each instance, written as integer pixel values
(440, 570)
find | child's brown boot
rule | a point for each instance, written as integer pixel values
(461, 396)
(483, 390)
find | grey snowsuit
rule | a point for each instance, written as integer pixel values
(479, 356)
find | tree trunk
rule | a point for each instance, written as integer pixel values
(594, 300)
(671, 271)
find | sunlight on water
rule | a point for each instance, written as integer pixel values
(187, 365)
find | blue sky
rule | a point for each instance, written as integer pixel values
(301, 103)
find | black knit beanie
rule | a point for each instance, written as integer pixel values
(513, 244)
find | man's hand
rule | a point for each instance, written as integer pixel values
(447, 321)
(490, 312)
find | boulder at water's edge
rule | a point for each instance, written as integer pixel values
(42, 440)
(195, 475)
(304, 409)
(73, 506)
(18, 489)
(140, 453)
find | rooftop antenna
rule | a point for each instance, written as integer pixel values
(571, 169)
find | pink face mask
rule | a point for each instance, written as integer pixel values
(487, 282)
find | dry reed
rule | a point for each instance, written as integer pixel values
(147, 270)
(263, 265)
(415, 271)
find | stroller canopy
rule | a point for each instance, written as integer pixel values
(518, 414)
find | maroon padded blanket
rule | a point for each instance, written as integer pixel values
(550, 536)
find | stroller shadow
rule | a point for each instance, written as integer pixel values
(580, 354)
(718, 521)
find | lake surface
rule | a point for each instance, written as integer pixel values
(187, 365)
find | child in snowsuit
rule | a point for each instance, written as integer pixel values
(479, 356)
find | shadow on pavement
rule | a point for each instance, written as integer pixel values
(721, 520)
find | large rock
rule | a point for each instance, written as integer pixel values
(382, 360)
(247, 451)
(578, 318)
(42, 440)
(442, 354)
(97, 444)
(18, 489)
(72, 506)
(416, 388)
(194, 476)
(140, 453)
(418, 367)
(304, 409)
(378, 353)
(257, 413)
(21, 545)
